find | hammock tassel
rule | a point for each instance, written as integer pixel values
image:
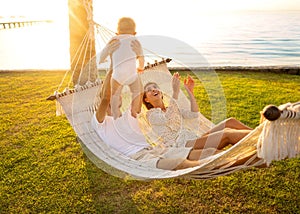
(279, 139)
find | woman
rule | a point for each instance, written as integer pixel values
(167, 122)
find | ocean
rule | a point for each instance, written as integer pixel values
(242, 39)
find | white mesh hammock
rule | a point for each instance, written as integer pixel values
(269, 141)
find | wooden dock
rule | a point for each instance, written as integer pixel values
(18, 24)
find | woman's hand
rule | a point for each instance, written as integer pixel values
(176, 85)
(189, 84)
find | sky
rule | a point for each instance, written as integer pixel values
(158, 17)
(177, 17)
(112, 8)
(155, 13)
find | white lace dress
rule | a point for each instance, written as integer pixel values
(167, 133)
(170, 125)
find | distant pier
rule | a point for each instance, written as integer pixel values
(18, 24)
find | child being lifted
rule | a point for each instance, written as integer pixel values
(125, 70)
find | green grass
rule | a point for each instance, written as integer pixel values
(43, 169)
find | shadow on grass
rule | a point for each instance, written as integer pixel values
(111, 194)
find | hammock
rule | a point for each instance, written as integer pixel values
(271, 140)
(79, 106)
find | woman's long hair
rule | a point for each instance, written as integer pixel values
(147, 104)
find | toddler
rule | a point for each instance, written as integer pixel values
(125, 70)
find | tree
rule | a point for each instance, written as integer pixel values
(80, 21)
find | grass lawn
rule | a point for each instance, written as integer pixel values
(43, 169)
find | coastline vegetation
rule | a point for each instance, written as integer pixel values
(44, 170)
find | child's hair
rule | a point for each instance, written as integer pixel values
(126, 25)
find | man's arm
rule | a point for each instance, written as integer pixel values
(137, 49)
(105, 98)
(141, 63)
(105, 90)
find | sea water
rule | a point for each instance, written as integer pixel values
(251, 39)
(239, 39)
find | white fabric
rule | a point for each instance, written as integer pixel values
(169, 125)
(124, 61)
(280, 139)
(174, 156)
(122, 134)
(125, 136)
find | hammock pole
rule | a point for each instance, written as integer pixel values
(80, 21)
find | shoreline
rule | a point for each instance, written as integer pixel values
(293, 70)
